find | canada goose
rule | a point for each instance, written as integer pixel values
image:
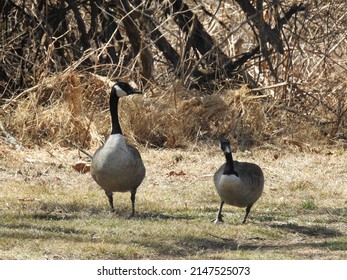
(237, 183)
(117, 166)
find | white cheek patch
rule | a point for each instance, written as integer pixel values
(227, 149)
(120, 91)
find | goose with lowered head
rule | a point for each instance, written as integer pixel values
(237, 183)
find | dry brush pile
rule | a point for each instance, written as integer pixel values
(255, 71)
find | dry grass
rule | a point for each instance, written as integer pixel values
(50, 211)
(75, 107)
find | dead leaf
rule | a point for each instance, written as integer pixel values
(174, 173)
(81, 167)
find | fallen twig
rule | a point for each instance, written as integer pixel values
(79, 148)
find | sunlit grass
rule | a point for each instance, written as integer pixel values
(61, 214)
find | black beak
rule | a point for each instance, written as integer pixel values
(135, 91)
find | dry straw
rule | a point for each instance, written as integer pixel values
(75, 107)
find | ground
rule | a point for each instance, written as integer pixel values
(48, 210)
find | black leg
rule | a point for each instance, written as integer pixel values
(219, 218)
(248, 209)
(133, 193)
(110, 199)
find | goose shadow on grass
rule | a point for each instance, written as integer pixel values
(160, 216)
(70, 211)
(55, 211)
(61, 215)
(312, 231)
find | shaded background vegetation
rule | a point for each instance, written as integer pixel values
(256, 71)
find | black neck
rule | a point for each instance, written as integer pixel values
(116, 129)
(229, 165)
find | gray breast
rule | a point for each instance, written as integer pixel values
(117, 166)
(243, 192)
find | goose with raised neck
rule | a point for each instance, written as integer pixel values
(117, 166)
